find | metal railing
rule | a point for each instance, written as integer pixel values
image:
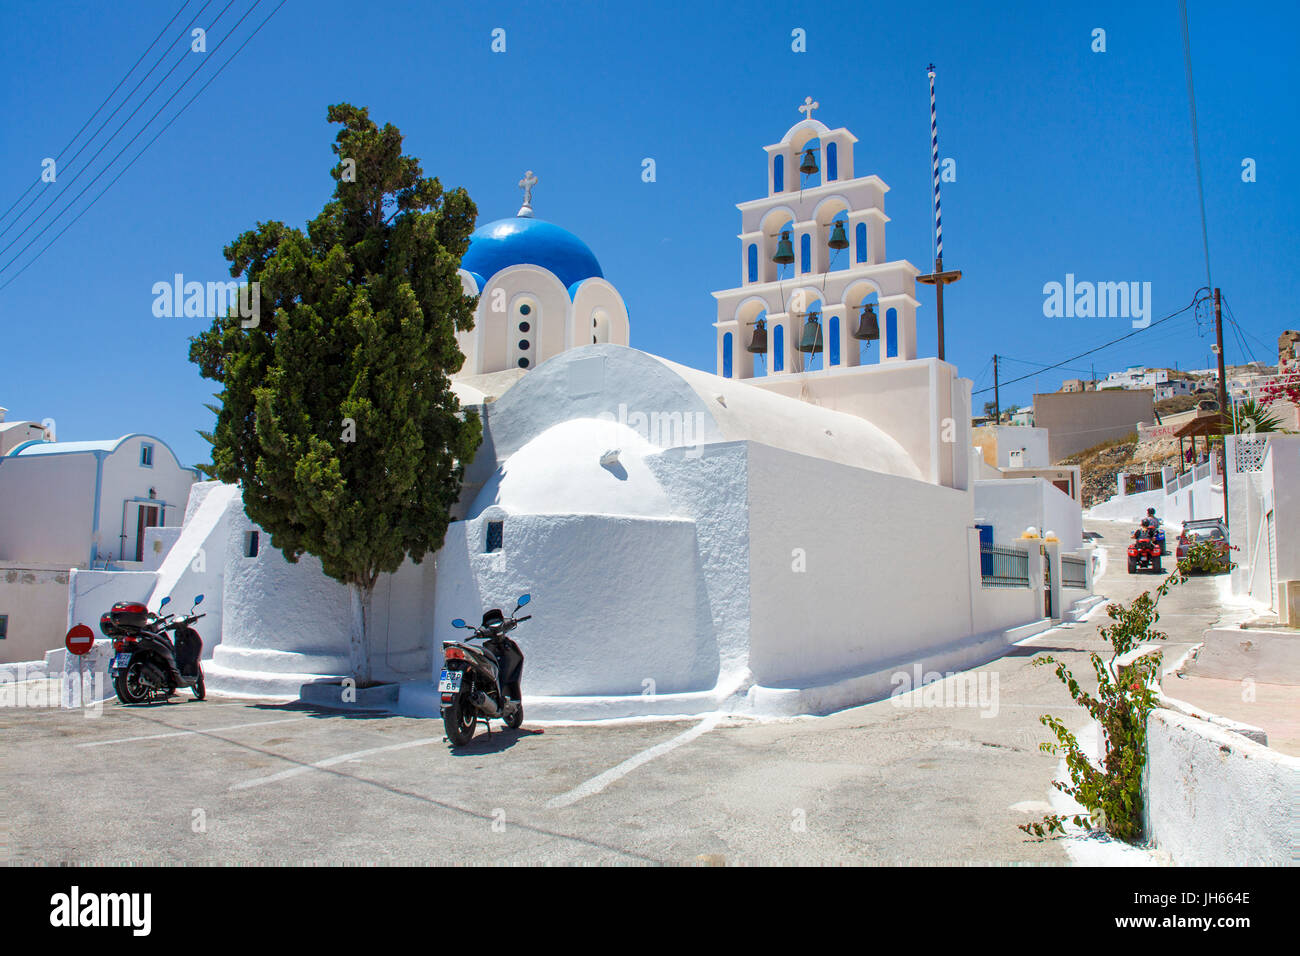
(1150, 481)
(1074, 572)
(1003, 567)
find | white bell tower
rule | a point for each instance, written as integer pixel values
(809, 206)
(812, 261)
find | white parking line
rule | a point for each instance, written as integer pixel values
(329, 762)
(600, 782)
(182, 733)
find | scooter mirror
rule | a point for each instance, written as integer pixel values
(524, 599)
(459, 622)
(198, 599)
(164, 602)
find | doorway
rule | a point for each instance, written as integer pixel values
(146, 517)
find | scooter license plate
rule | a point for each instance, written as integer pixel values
(121, 660)
(449, 681)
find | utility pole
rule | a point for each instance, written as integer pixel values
(938, 278)
(997, 401)
(1223, 396)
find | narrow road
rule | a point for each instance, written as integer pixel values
(241, 781)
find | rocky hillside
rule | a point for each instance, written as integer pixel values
(1099, 464)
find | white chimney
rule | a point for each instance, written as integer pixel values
(2, 412)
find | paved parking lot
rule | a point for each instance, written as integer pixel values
(261, 782)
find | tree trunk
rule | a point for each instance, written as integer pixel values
(360, 645)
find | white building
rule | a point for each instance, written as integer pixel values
(1264, 503)
(66, 505)
(1136, 376)
(13, 434)
(778, 543)
(1173, 387)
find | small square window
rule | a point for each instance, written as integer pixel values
(146, 455)
(4, 626)
(494, 535)
(251, 543)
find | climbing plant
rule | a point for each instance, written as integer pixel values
(1127, 690)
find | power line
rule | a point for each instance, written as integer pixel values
(1041, 365)
(1164, 335)
(57, 196)
(164, 129)
(59, 155)
(1104, 345)
(1196, 141)
(1241, 332)
(1241, 342)
(103, 172)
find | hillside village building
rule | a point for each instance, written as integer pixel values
(84, 504)
(779, 537)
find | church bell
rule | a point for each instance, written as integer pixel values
(838, 240)
(811, 339)
(868, 328)
(808, 165)
(758, 343)
(784, 250)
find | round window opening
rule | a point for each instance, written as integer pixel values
(524, 326)
(523, 363)
(525, 309)
(523, 345)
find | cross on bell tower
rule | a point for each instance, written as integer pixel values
(527, 184)
(808, 106)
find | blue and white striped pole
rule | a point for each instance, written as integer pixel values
(939, 278)
(934, 157)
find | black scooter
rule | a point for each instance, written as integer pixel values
(148, 666)
(482, 682)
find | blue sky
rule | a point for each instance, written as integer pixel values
(1068, 161)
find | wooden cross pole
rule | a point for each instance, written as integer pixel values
(939, 278)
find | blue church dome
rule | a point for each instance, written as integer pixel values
(526, 241)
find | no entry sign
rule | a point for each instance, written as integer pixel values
(79, 640)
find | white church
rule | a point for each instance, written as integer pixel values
(780, 536)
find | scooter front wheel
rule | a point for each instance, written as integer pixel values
(200, 692)
(459, 720)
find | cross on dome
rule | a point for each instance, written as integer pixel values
(527, 184)
(808, 107)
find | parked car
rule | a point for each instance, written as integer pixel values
(1205, 530)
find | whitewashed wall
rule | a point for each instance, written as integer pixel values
(1215, 798)
(35, 600)
(47, 507)
(285, 624)
(1013, 504)
(887, 568)
(196, 562)
(92, 593)
(615, 601)
(282, 624)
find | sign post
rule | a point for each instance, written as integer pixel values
(79, 641)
